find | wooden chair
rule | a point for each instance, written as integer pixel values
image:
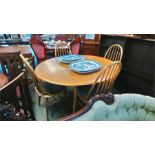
(41, 90)
(9, 95)
(62, 48)
(39, 49)
(75, 45)
(114, 52)
(102, 84)
(11, 64)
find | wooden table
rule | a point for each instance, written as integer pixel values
(3, 80)
(56, 72)
(25, 49)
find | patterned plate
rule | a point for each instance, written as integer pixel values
(70, 58)
(85, 66)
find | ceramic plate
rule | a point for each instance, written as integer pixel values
(85, 66)
(70, 58)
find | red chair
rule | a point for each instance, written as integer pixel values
(75, 45)
(61, 37)
(39, 49)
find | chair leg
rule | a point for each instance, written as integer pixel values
(74, 98)
(39, 99)
(65, 95)
(46, 106)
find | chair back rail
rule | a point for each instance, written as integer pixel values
(62, 49)
(114, 52)
(105, 80)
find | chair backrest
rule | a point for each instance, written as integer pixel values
(32, 74)
(39, 48)
(62, 48)
(11, 64)
(105, 80)
(75, 45)
(114, 52)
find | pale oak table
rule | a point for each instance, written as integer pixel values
(55, 72)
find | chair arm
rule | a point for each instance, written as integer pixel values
(106, 98)
(77, 114)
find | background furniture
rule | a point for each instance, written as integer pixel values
(90, 46)
(126, 107)
(138, 65)
(11, 64)
(60, 74)
(16, 92)
(60, 37)
(75, 45)
(39, 49)
(24, 49)
(62, 48)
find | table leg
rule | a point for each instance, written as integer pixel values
(74, 98)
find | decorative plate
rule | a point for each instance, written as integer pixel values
(70, 58)
(85, 66)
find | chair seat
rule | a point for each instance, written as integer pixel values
(50, 88)
(3, 80)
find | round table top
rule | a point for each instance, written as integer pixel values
(56, 72)
(3, 80)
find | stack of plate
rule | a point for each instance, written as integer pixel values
(85, 66)
(70, 58)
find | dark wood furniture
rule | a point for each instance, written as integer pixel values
(11, 64)
(138, 63)
(16, 92)
(90, 46)
(24, 49)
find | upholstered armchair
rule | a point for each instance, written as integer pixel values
(125, 107)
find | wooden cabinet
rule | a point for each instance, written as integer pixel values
(90, 44)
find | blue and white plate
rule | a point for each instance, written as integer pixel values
(85, 66)
(70, 58)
